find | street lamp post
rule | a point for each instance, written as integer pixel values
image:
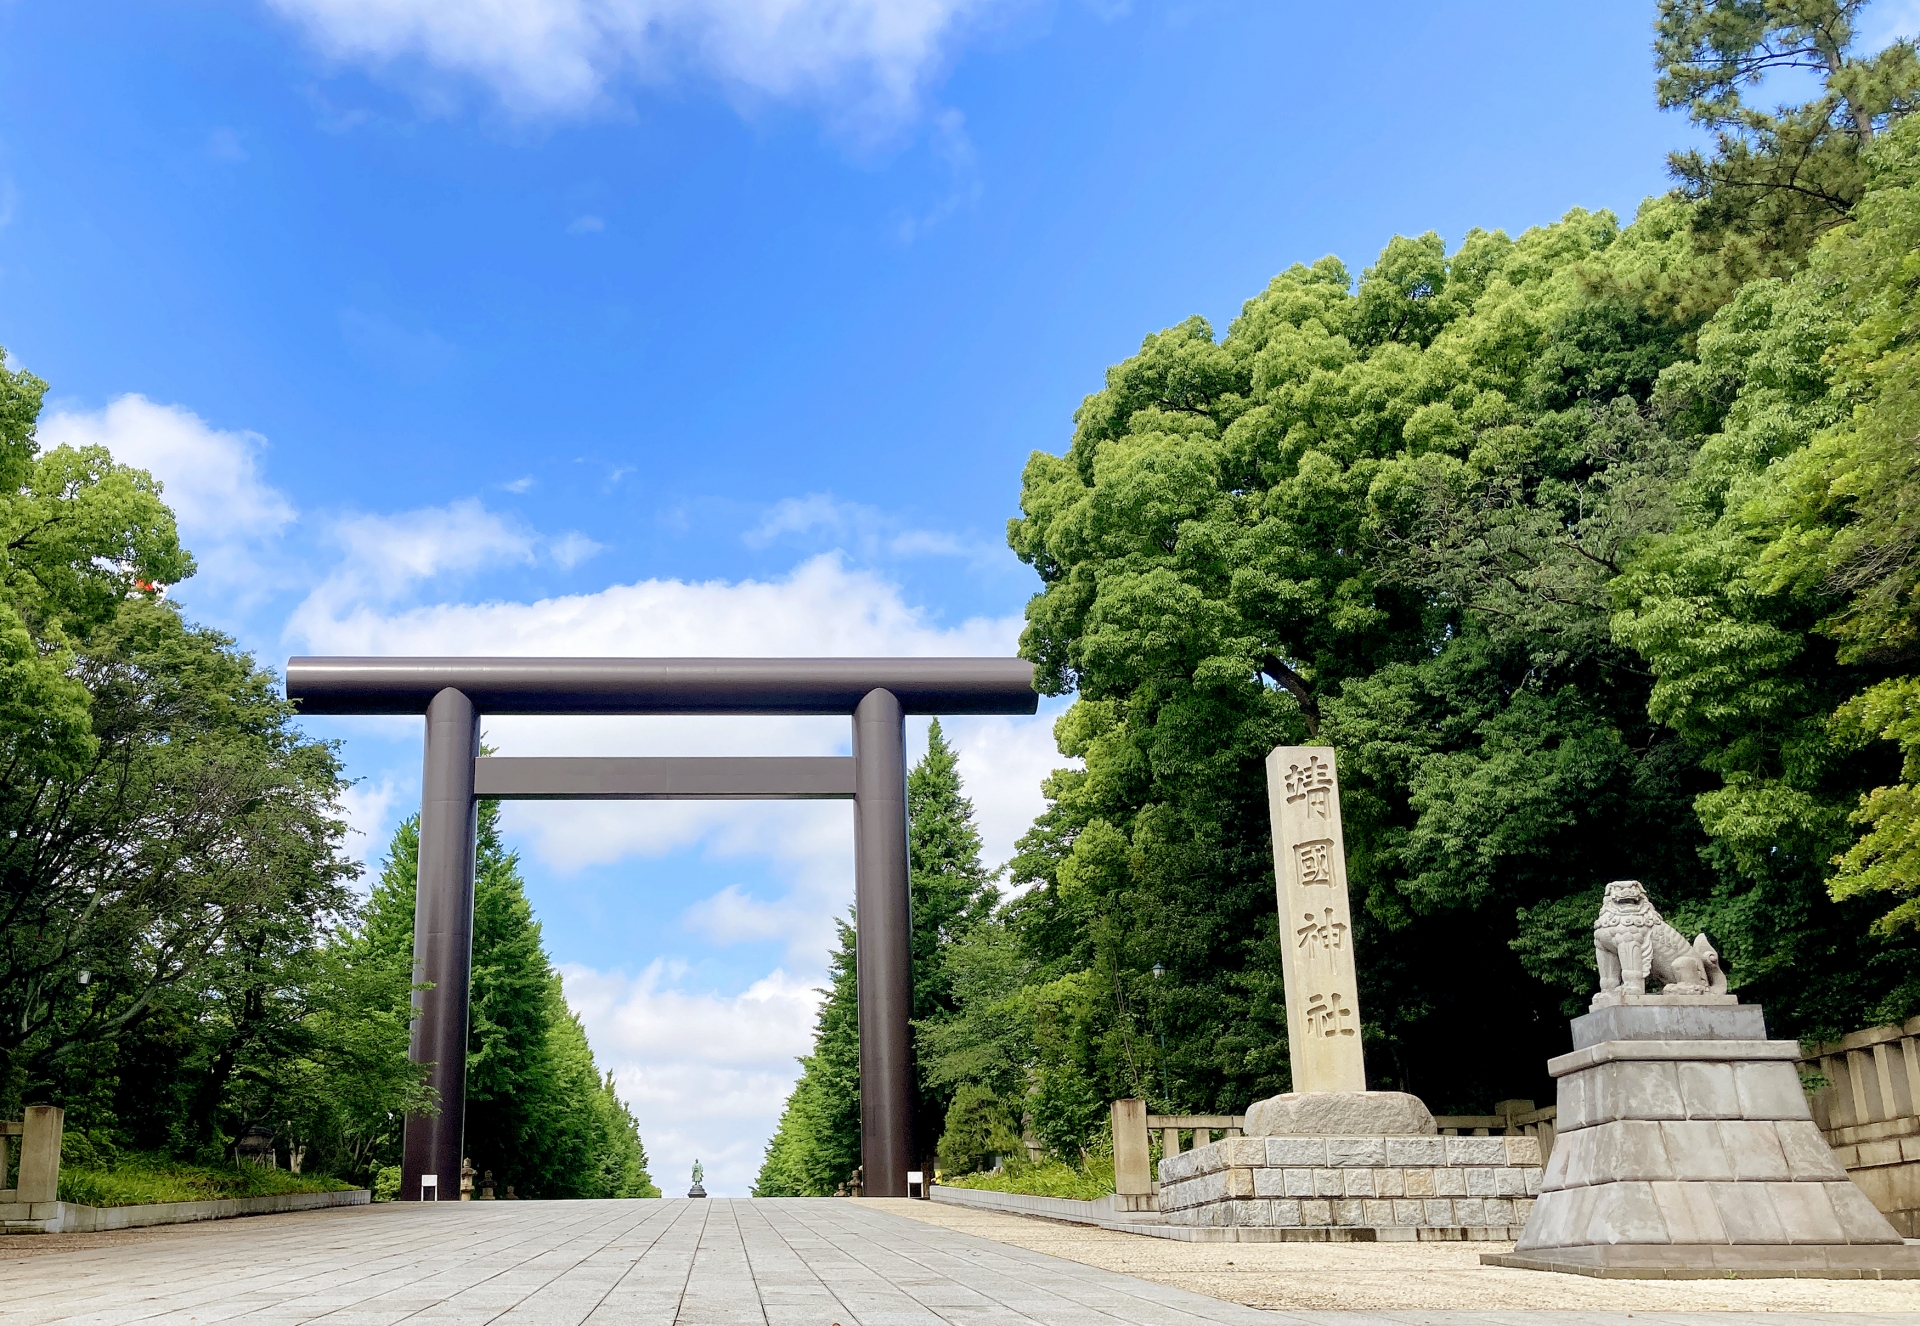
(1159, 1029)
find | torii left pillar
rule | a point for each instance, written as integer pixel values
(443, 943)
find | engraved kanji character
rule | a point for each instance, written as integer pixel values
(1326, 934)
(1311, 782)
(1327, 1017)
(1315, 861)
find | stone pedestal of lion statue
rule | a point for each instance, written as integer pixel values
(1332, 1160)
(1685, 1148)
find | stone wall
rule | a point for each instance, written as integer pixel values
(1406, 1187)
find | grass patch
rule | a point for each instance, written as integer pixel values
(1087, 1181)
(137, 1180)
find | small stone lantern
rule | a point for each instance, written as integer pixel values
(255, 1147)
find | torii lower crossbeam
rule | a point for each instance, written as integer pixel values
(453, 692)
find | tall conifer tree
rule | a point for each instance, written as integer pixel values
(817, 1144)
(539, 1114)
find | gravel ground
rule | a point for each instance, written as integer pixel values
(1398, 1276)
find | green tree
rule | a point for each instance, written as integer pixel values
(953, 892)
(1778, 177)
(539, 1114)
(978, 1128)
(816, 1146)
(1779, 618)
(1389, 518)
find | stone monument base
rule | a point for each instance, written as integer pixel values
(1719, 1261)
(1686, 1150)
(1339, 1114)
(1362, 1188)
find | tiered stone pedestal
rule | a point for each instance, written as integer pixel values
(1685, 1150)
(1361, 1188)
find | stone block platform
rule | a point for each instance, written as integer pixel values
(1695, 1157)
(1359, 1188)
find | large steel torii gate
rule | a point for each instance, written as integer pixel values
(454, 692)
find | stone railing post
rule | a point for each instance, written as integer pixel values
(41, 1127)
(1132, 1164)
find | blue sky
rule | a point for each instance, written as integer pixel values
(704, 326)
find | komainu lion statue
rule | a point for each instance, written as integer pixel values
(1633, 943)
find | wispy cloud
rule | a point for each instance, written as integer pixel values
(586, 225)
(1887, 22)
(864, 530)
(385, 558)
(224, 144)
(864, 61)
(418, 352)
(954, 150)
(368, 808)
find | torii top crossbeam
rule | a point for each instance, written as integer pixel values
(452, 694)
(662, 685)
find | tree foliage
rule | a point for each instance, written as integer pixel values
(539, 1114)
(1783, 176)
(1591, 556)
(181, 953)
(816, 1146)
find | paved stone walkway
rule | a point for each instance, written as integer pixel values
(711, 1263)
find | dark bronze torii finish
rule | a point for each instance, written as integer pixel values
(454, 692)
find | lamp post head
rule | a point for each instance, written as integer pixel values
(1158, 971)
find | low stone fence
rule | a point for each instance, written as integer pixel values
(1136, 1187)
(74, 1218)
(1867, 1104)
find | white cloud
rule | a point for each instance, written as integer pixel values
(571, 549)
(226, 511)
(386, 557)
(806, 515)
(706, 1074)
(867, 58)
(368, 808)
(586, 225)
(821, 608)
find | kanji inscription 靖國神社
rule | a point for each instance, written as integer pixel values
(1316, 935)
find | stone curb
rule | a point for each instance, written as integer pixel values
(1704, 1268)
(1016, 1203)
(1102, 1215)
(74, 1218)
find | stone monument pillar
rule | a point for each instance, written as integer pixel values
(1330, 1159)
(1316, 929)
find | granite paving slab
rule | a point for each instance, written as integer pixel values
(771, 1262)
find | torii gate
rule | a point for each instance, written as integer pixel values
(454, 692)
